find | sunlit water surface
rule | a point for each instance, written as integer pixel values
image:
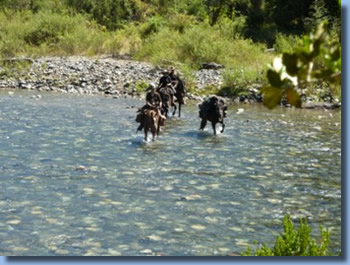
(76, 179)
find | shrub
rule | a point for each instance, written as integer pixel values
(210, 90)
(48, 27)
(201, 43)
(180, 22)
(188, 75)
(44, 32)
(151, 26)
(141, 86)
(232, 29)
(294, 242)
(238, 81)
(14, 68)
(286, 43)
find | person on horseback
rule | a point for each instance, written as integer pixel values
(164, 80)
(153, 98)
(153, 101)
(174, 86)
(174, 78)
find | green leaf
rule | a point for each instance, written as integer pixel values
(274, 78)
(293, 97)
(304, 54)
(290, 61)
(335, 53)
(324, 74)
(272, 96)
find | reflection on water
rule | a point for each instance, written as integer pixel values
(77, 179)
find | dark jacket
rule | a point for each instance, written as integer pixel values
(164, 80)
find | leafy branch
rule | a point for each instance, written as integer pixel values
(291, 72)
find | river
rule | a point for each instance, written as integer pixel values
(76, 178)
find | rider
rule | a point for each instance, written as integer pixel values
(177, 85)
(153, 101)
(174, 78)
(164, 80)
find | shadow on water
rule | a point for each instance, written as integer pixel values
(206, 136)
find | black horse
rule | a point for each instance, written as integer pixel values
(213, 110)
(167, 97)
(176, 86)
(180, 93)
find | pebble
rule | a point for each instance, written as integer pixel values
(146, 251)
(80, 168)
(198, 227)
(114, 252)
(14, 222)
(211, 210)
(154, 237)
(20, 249)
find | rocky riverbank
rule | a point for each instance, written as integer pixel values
(103, 75)
(108, 76)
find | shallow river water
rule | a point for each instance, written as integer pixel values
(76, 178)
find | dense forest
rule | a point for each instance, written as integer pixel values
(243, 35)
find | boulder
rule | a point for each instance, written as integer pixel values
(212, 66)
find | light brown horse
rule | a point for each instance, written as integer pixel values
(153, 119)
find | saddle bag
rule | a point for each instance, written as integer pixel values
(162, 120)
(139, 117)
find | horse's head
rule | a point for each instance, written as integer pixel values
(219, 107)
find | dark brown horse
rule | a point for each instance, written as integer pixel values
(167, 97)
(180, 93)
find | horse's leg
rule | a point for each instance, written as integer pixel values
(223, 126)
(173, 105)
(145, 131)
(158, 127)
(179, 109)
(165, 111)
(214, 129)
(153, 130)
(175, 108)
(203, 124)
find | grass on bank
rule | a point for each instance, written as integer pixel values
(179, 40)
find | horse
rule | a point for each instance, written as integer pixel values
(167, 100)
(151, 122)
(177, 85)
(213, 110)
(180, 94)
